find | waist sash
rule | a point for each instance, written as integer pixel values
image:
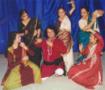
(58, 61)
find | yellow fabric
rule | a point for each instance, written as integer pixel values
(10, 49)
(14, 79)
(36, 72)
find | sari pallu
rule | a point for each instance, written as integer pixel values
(88, 72)
(67, 40)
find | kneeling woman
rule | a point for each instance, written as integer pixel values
(20, 71)
(89, 72)
(53, 49)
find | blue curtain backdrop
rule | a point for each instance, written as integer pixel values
(46, 12)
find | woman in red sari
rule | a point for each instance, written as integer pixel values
(89, 72)
(21, 71)
(52, 50)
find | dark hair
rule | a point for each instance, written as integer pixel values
(61, 8)
(22, 12)
(12, 37)
(86, 8)
(53, 28)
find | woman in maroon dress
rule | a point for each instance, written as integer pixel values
(52, 50)
(21, 71)
(89, 72)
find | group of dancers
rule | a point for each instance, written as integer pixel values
(33, 56)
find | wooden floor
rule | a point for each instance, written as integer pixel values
(52, 83)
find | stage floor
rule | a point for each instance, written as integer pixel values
(52, 83)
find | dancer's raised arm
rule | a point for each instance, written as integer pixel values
(72, 2)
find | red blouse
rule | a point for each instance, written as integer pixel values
(100, 45)
(50, 54)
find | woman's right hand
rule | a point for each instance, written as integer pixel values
(38, 41)
(35, 33)
(80, 47)
(25, 60)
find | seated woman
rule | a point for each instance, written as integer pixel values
(89, 71)
(21, 71)
(52, 50)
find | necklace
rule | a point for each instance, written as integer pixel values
(49, 51)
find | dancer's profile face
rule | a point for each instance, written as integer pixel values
(61, 13)
(92, 39)
(18, 38)
(50, 33)
(84, 13)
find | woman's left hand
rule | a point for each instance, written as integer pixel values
(98, 13)
(72, 2)
(80, 47)
(23, 46)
